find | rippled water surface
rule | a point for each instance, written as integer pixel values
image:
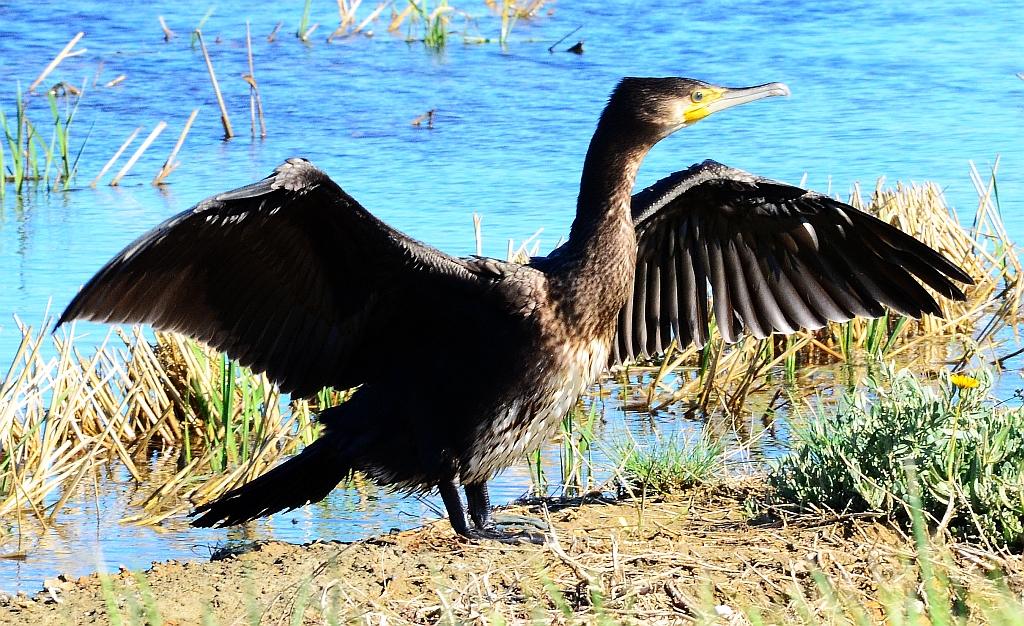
(911, 91)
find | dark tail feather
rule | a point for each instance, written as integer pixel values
(306, 478)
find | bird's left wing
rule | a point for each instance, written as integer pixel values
(776, 257)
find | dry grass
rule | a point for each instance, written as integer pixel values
(63, 417)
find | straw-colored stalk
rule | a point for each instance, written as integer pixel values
(273, 34)
(347, 18)
(116, 156)
(170, 165)
(168, 33)
(255, 104)
(61, 417)
(138, 153)
(63, 54)
(216, 88)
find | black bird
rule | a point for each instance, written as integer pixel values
(293, 277)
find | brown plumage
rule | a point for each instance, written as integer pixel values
(464, 365)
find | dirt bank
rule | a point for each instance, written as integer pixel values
(655, 562)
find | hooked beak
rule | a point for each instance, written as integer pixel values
(726, 97)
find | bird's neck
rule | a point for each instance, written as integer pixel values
(599, 258)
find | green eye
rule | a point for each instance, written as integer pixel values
(697, 96)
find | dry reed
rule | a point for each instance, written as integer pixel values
(116, 156)
(63, 54)
(138, 153)
(168, 33)
(170, 164)
(62, 417)
(255, 104)
(216, 88)
(273, 34)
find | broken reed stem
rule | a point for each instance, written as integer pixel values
(66, 52)
(345, 16)
(216, 88)
(305, 37)
(476, 232)
(170, 165)
(429, 116)
(270, 39)
(116, 80)
(397, 20)
(371, 17)
(135, 157)
(96, 78)
(168, 33)
(114, 158)
(254, 92)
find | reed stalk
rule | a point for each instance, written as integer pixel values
(63, 54)
(273, 34)
(116, 156)
(168, 33)
(63, 416)
(138, 153)
(255, 104)
(228, 134)
(170, 164)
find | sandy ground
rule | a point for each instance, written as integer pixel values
(670, 561)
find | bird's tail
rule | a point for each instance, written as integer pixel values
(306, 478)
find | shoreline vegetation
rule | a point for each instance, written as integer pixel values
(64, 418)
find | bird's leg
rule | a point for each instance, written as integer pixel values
(479, 505)
(484, 526)
(488, 522)
(456, 510)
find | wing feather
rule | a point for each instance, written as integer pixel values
(776, 257)
(290, 276)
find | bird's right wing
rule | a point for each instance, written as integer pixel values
(776, 257)
(289, 275)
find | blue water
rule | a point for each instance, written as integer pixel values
(911, 91)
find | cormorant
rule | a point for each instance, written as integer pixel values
(293, 277)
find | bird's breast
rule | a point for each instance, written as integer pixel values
(533, 415)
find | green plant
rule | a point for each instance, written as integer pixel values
(15, 140)
(575, 453)
(28, 149)
(304, 22)
(670, 464)
(194, 35)
(435, 22)
(62, 136)
(968, 451)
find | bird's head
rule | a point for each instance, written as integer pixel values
(661, 106)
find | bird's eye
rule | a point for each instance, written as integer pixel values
(697, 96)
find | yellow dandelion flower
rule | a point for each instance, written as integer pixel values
(964, 382)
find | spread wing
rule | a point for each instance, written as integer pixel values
(777, 258)
(290, 276)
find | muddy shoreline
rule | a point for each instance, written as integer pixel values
(667, 561)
